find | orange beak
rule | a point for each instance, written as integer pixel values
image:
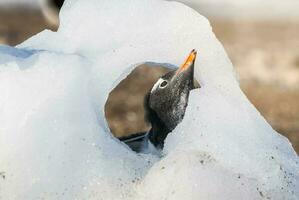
(189, 62)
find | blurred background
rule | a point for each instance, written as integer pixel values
(260, 37)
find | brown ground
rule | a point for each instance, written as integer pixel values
(265, 54)
(19, 24)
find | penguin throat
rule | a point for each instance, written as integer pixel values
(174, 114)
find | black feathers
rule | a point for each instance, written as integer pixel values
(159, 130)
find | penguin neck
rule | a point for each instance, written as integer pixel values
(158, 132)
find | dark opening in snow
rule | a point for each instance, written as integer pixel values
(124, 109)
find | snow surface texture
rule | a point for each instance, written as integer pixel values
(54, 139)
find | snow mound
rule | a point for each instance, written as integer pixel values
(54, 139)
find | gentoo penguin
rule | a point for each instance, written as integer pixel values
(165, 106)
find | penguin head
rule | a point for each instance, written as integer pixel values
(169, 96)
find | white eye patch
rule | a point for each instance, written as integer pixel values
(157, 84)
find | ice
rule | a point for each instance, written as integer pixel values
(54, 139)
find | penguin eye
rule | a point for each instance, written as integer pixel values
(163, 84)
